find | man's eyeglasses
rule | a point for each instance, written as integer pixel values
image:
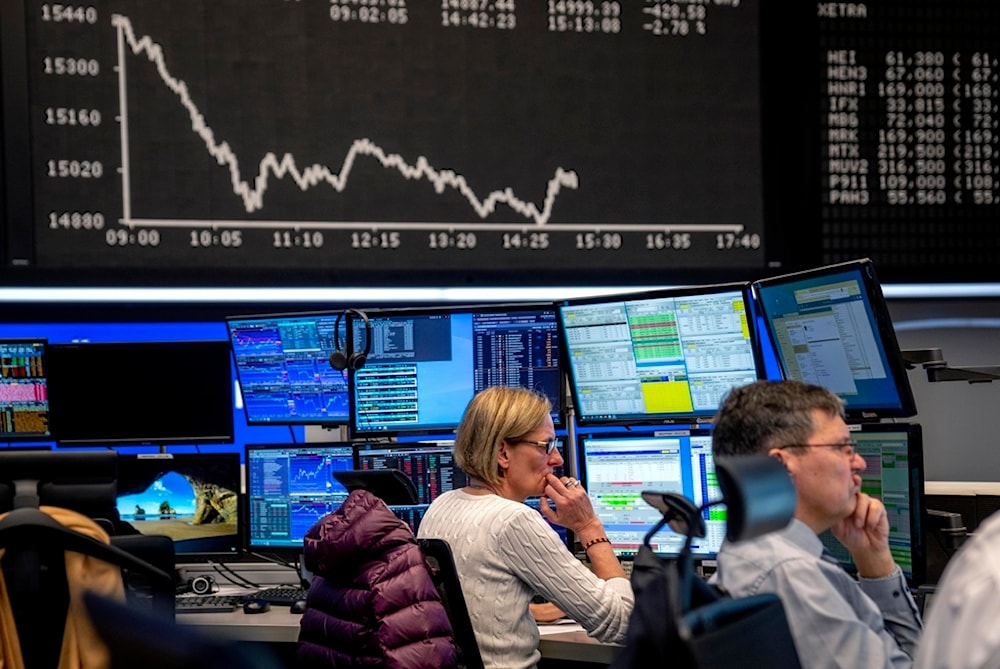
(548, 445)
(848, 448)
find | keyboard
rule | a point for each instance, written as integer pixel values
(282, 595)
(207, 603)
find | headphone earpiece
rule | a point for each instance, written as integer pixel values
(340, 360)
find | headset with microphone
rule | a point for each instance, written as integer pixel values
(340, 360)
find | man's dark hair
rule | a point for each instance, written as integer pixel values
(766, 414)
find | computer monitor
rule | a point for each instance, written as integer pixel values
(24, 395)
(617, 468)
(193, 498)
(658, 357)
(831, 326)
(153, 393)
(431, 467)
(424, 365)
(283, 367)
(288, 488)
(893, 453)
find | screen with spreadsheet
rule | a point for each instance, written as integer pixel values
(283, 367)
(894, 473)
(24, 397)
(617, 468)
(426, 364)
(288, 488)
(658, 357)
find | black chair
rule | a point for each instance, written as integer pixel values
(441, 564)
(138, 638)
(681, 616)
(33, 564)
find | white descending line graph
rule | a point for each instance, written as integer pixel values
(252, 192)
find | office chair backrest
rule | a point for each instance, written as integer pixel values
(679, 615)
(441, 564)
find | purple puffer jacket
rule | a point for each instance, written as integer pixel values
(372, 602)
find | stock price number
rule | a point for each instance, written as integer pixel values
(598, 240)
(124, 237)
(203, 239)
(373, 239)
(525, 240)
(732, 240)
(297, 239)
(677, 241)
(76, 220)
(451, 240)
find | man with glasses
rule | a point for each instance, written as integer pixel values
(835, 619)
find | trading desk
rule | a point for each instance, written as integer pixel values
(279, 625)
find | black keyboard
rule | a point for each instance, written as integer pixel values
(282, 595)
(207, 603)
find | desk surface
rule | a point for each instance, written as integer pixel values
(279, 625)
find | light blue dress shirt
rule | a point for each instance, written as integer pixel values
(835, 619)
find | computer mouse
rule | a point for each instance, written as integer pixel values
(256, 606)
(298, 606)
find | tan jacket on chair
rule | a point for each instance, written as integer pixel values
(81, 646)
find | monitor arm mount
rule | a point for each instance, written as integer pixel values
(933, 362)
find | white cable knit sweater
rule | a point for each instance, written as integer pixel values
(505, 553)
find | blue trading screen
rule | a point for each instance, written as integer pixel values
(830, 326)
(283, 366)
(290, 487)
(425, 366)
(24, 402)
(616, 469)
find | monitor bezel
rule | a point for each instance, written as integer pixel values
(666, 419)
(224, 422)
(233, 464)
(304, 315)
(250, 547)
(10, 437)
(448, 431)
(883, 331)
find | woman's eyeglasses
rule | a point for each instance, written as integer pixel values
(548, 445)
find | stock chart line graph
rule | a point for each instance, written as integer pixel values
(427, 142)
(252, 194)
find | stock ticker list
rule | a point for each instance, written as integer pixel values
(351, 134)
(910, 130)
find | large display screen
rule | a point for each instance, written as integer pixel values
(661, 356)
